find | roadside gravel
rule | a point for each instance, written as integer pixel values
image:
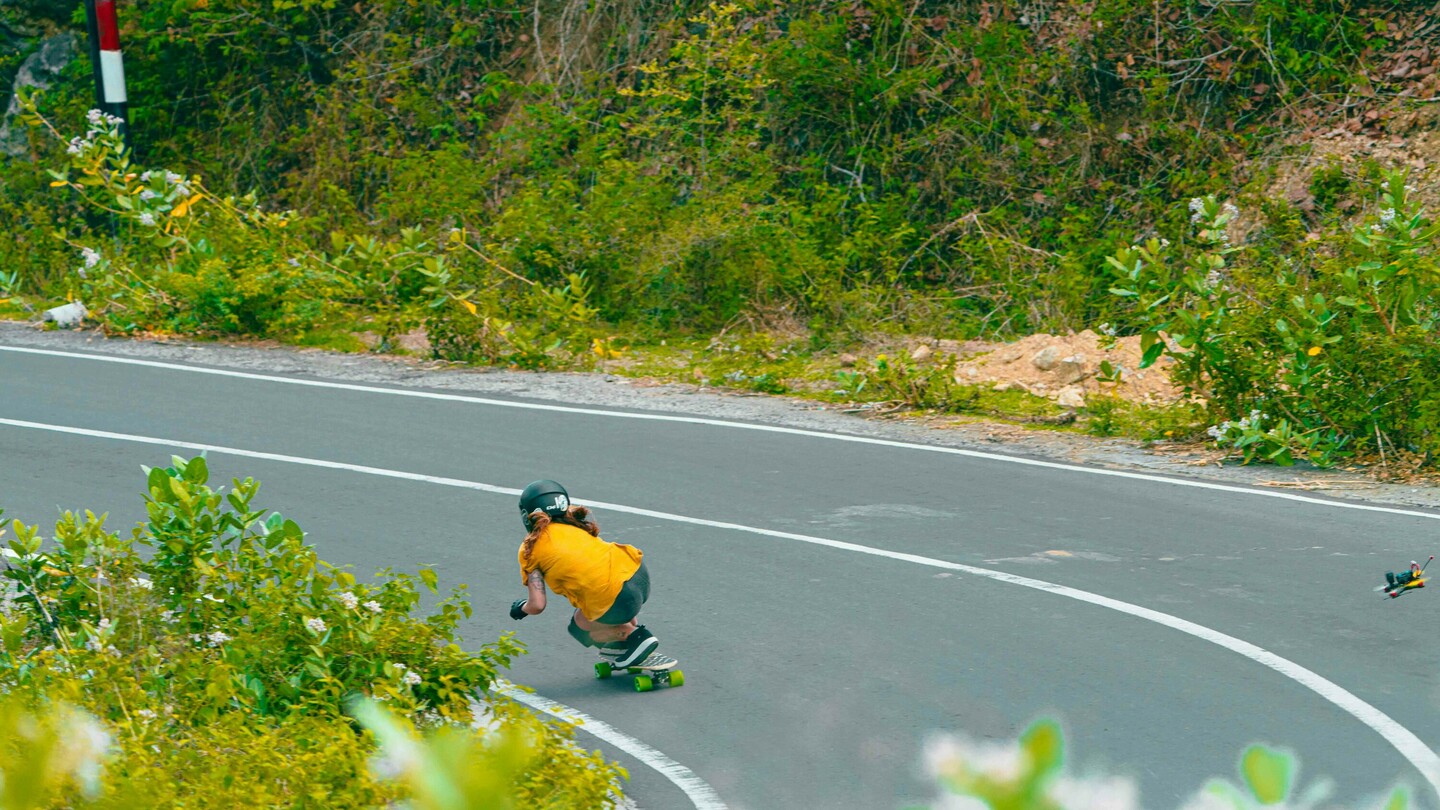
(611, 391)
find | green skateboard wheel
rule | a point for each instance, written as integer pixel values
(677, 678)
(603, 669)
(643, 683)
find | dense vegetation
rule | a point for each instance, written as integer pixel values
(212, 654)
(526, 181)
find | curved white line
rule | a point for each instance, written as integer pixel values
(699, 420)
(699, 792)
(1400, 738)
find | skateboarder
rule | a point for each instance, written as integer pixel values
(606, 582)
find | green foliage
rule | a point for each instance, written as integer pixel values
(1325, 358)
(219, 650)
(955, 167)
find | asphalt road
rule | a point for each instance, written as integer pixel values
(815, 673)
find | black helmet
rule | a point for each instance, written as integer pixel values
(547, 496)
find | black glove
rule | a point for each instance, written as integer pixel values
(517, 610)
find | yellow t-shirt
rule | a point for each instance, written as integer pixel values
(581, 567)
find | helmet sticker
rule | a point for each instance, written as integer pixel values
(561, 504)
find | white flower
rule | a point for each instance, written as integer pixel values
(1215, 278)
(85, 743)
(169, 617)
(952, 756)
(1387, 216)
(349, 600)
(145, 714)
(147, 219)
(77, 145)
(398, 665)
(172, 178)
(316, 625)
(149, 194)
(374, 607)
(92, 645)
(217, 638)
(411, 679)
(1231, 210)
(104, 625)
(90, 255)
(1109, 793)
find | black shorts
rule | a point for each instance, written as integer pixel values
(627, 603)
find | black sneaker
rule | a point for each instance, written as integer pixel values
(639, 645)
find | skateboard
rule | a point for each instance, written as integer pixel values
(1402, 583)
(655, 671)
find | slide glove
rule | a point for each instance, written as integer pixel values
(517, 610)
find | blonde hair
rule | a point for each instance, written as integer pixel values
(577, 516)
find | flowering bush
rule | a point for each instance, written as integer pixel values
(1341, 350)
(193, 261)
(228, 655)
(1031, 775)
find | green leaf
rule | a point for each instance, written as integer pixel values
(1268, 773)
(158, 481)
(1045, 745)
(1152, 354)
(196, 471)
(427, 575)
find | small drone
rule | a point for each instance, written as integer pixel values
(1402, 583)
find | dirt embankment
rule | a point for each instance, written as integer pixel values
(1067, 368)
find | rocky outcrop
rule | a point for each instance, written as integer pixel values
(38, 70)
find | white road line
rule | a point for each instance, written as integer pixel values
(698, 420)
(1400, 738)
(700, 793)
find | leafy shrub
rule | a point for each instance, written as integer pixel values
(1336, 351)
(223, 660)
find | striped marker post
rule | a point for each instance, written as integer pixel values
(108, 65)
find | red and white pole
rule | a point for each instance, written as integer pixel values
(109, 67)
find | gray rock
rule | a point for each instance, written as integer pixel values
(37, 71)
(1046, 358)
(1071, 397)
(1071, 370)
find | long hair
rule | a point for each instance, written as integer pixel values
(577, 516)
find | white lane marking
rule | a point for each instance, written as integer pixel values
(699, 420)
(700, 793)
(1402, 739)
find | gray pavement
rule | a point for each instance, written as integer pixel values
(816, 673)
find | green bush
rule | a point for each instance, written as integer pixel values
(955, 167)
(1307, 360)
(221, 654)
